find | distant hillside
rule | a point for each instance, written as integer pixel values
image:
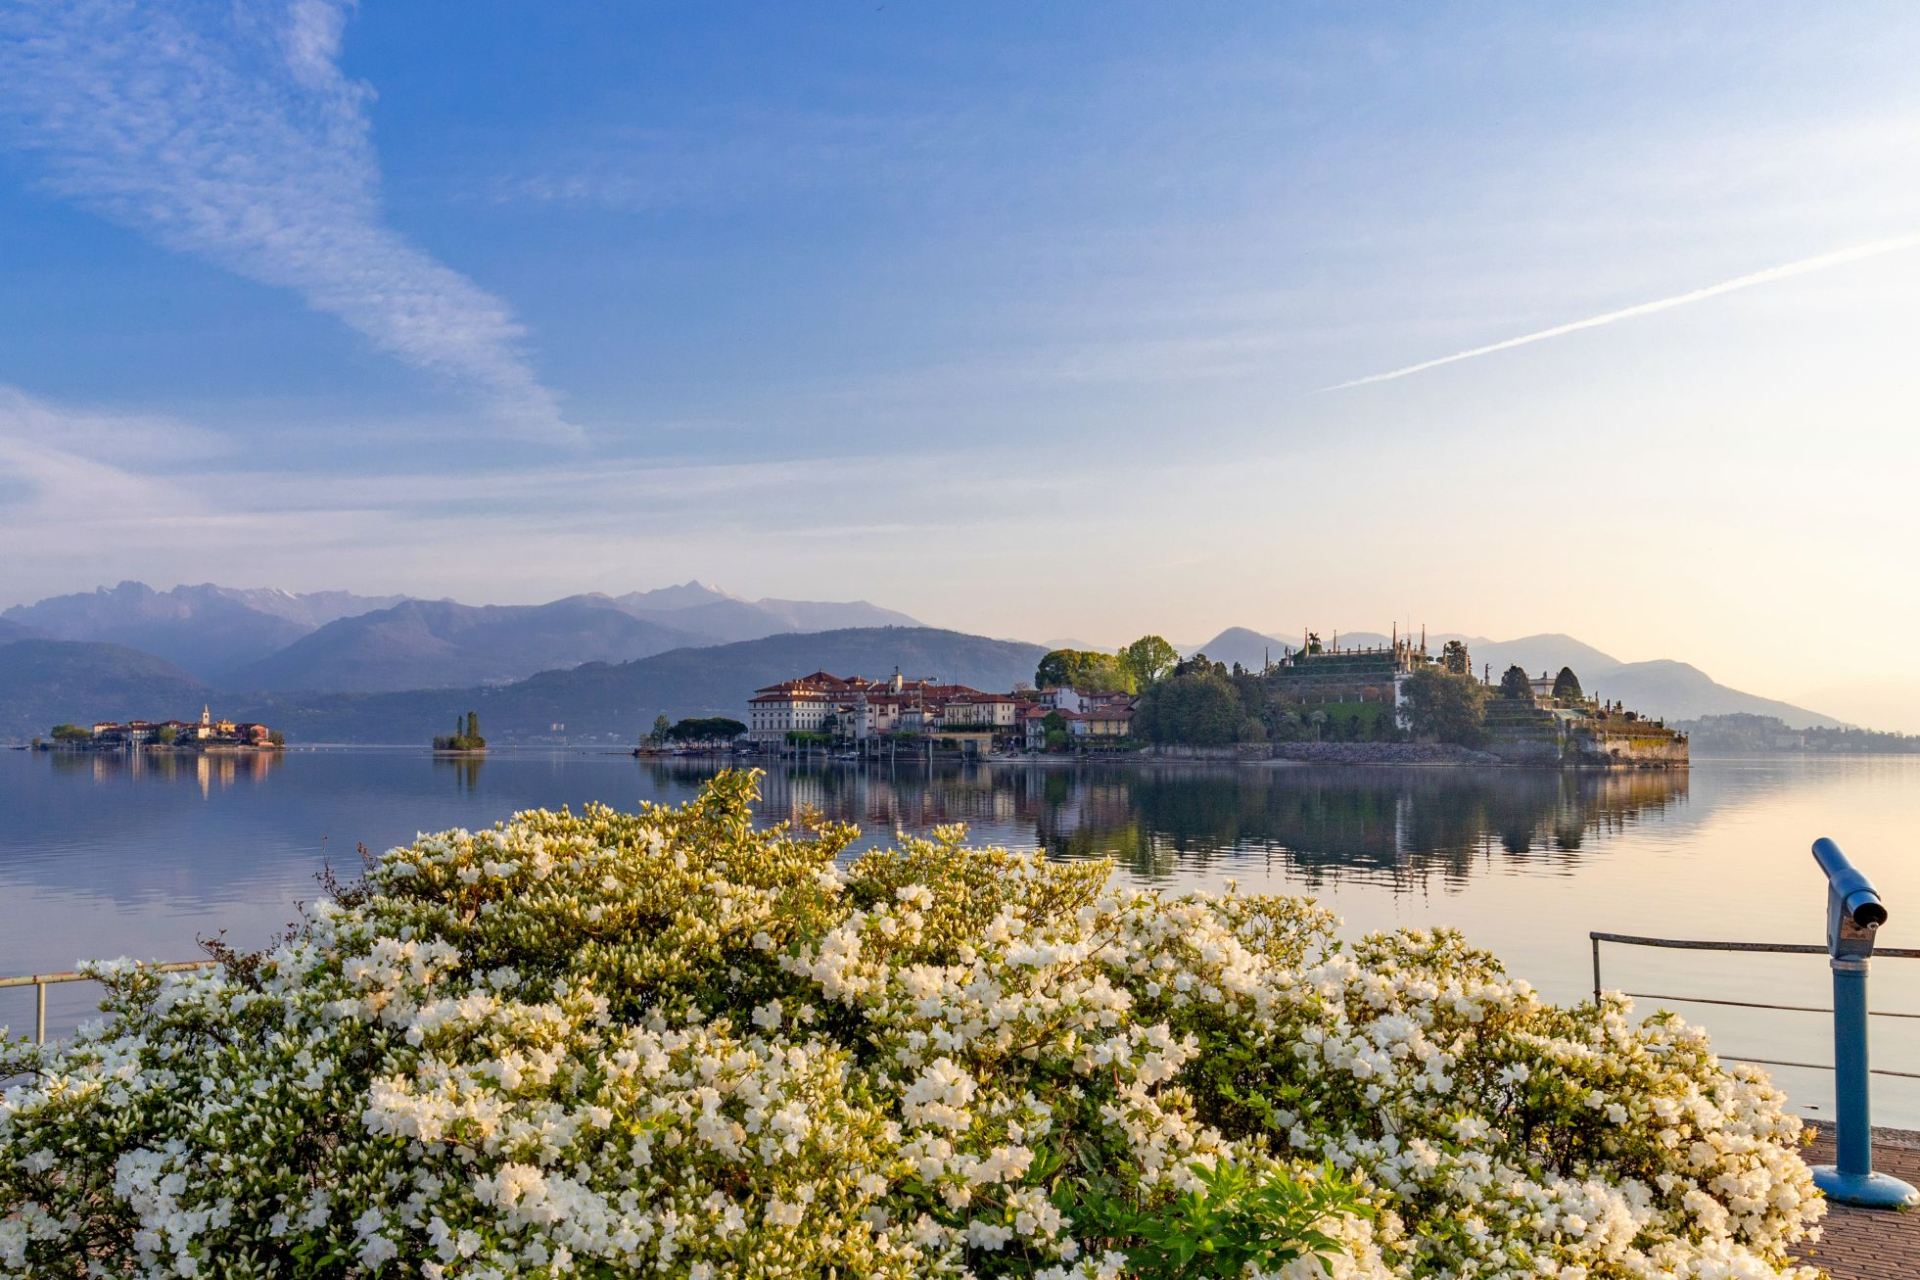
(49, 682)
(620, 700)
(427, 644)
(206, 629)
(11, 631)
(1248, 648)
(1677, 691)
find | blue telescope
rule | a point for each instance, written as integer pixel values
(1854, 914)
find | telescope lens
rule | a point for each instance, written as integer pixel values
(1870, 915)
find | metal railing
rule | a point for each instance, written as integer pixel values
(41, 981)
(1777, 948)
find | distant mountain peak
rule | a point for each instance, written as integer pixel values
(687, 595)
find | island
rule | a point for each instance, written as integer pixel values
(465, 740)
(1393, 703)
(206, 734)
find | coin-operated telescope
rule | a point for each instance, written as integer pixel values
(1854, 915)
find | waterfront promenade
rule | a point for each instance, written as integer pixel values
(1870, 1244)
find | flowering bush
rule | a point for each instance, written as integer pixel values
(667, 1044)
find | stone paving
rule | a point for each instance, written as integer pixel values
(1871, 1244)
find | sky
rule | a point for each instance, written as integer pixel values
(1069, 320)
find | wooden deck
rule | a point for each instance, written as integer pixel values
(1871, 1244)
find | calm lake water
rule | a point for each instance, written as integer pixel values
(103, 856)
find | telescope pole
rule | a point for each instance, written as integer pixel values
(1853, 1121)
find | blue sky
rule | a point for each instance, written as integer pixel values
(1016, 317)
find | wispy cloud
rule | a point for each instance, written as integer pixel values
(229, 131)
(1805, 266)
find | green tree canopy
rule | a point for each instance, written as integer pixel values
(707, 729)
(1566, 685)
(1454, 657)
(1202, 709)
(661, 728)
(1447, 706)
(71, 733)
(1515, 684)
(1148, 660)
(1087, 669)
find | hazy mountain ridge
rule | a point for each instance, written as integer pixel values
(11, 631)
(49, 682)
(270, 639)
(432, 644)
(622, 699)
(206, 629)
(725, 617)
(1661, 687)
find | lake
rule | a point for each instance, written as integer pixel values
(110, 855)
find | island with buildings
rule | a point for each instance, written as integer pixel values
(1388, 703)
(204, 734)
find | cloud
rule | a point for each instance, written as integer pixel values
(229, 131)
(1805, 266)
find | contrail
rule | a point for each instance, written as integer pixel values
(1803, 267)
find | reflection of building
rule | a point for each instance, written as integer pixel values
(1402, 827)
(209, 770)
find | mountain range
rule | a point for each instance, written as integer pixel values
(619, 700)
(1662, 687)
(206, 629)
(344, 667)
(334, 640)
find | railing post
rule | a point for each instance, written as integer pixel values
(1854, 914)
(1595, 939)
(39, 1013)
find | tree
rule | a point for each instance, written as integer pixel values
(1515, 684)
(1201, 709)
(167, 736)
(466, 735)
(662, 727)
(1447, 706)
(1454, 657)
(1054, 726)
(1566, 686)
(1199, 665)
(1148, 660)
(71, 733)
(708, 729)
(1087, 669)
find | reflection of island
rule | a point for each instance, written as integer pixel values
(1386, 823)
(464, 766)
(206, 769)
(1379, 823)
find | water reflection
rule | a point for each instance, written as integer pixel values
(464, 769)
(208, 770)
(1400, 826)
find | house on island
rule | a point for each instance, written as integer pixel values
(110, 735)
(853, 710)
